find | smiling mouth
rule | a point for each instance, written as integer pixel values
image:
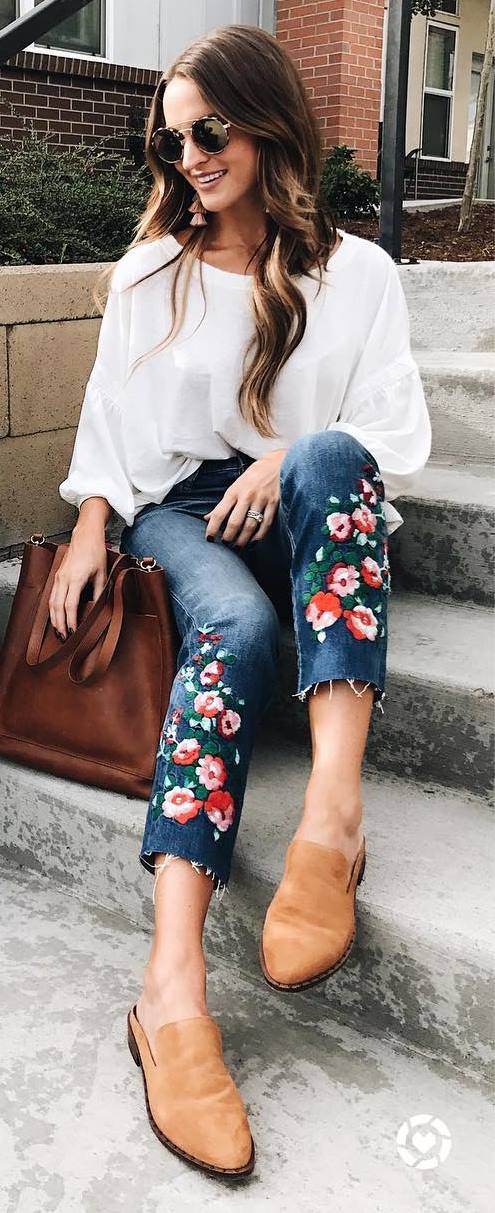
(212, 181)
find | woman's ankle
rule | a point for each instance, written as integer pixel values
(175, 990)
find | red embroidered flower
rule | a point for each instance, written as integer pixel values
(323, 610)
(177, 715)
(210, 637)
(339, 525)
(180, 803)
(211, 673)
(220, 809)
(187, 752)
(371, 573)
(364, 519)
(228, 723)
(342, 579)
(367, 491)
(211, 772)
(208, 703)
(362, 623)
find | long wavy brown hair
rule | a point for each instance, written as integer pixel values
(248, 77)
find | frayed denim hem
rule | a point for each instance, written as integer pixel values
(378, 693)
(219, 886)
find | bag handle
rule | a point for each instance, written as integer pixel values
(42, 616)
(111, 620)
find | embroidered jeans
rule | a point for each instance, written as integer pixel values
(326, 554)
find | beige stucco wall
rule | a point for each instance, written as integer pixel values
(472, 24)
(48, 332)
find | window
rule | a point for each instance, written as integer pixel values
(438, 91)
(83, 32)
(7, 12)
(448, 6)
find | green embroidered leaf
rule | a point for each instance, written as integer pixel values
(206, 723)
(306, 598)
(333, 500)
(193, 721)
(324, 529)
(220, 654)
(354, 497)
(156, 812)
(348, 602)
(322, 636)
(308, 576)
(319, 554)
(211, 747)
(168, 781)
(354, 558)
(316, 587)
(361, 539)
(201, 793)
(229, 659)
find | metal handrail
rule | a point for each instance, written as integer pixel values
(35, 24)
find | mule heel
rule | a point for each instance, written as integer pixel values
(133, 1046)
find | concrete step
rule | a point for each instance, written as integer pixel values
(422, 970)
(439, 699)
(438, 707)
(446, 543)
(325, 1103)
(451, 305)
(459, 389)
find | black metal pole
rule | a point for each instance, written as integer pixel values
(394, 126)
(34, 24)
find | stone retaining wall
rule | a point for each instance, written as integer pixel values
(48, 332)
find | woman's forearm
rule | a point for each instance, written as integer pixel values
(93, 514)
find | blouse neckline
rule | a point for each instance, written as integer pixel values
(243, 281)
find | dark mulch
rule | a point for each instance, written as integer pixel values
(433, 235)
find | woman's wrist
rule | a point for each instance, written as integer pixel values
(94, 513)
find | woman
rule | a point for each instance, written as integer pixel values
(262, 434)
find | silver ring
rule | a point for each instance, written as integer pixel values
(255, 514)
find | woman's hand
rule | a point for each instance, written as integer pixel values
(85, 560)
(257, 489)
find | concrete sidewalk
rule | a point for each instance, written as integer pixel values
(325, 1102)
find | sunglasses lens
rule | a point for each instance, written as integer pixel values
(210, 134)
(167, 146)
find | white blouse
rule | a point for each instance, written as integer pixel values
(141, 430)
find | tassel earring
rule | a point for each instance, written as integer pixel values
(199, 214)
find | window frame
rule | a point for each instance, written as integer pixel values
(25, 6)
(440, 92)
(446, 13)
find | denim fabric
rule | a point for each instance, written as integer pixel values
(324, 560)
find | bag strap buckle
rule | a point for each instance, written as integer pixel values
(147, 564)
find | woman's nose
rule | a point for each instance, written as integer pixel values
(192, 156)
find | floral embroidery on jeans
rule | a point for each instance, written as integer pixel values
(351, 572)
(210, 721)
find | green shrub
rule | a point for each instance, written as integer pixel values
(346, 189)
(65, 206)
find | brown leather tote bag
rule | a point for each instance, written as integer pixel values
(90, 707)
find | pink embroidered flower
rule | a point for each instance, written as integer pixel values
(362, 623)
(367, 491)
(228, 723)
(342, 579)
(323, 610)
(211, 673)
(364, 519)
(371, 573)
(208, 703)
(211, 772)
(220, 809)
(339, 525)
(176, 715)
(187, 752)
(180, 803)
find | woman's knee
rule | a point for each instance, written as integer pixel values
(306, 453)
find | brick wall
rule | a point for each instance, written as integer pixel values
(438, 180)
(337, 45)
(77, 100)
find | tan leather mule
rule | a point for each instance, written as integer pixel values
(310, 925)
(192, 1102)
